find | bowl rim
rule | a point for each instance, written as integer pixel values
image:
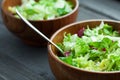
(76, 7)
(50, 52)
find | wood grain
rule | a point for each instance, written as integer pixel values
(109, 8)
(9, 66)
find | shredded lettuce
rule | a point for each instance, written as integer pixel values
(43, 9)
(98, 49)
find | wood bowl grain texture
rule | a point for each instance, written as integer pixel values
(47, 27)
(63, 71)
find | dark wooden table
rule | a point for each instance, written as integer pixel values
(19, 61)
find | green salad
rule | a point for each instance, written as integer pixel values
(96, 49)
(42, 9)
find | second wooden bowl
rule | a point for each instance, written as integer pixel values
(47, 27)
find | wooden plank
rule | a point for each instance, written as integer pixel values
(85, 14)
(2, 77)
(0, 18)
(34, 58)
(13, 70)
(109, 8)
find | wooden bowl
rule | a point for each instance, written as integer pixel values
(47, 27)
(64, 71)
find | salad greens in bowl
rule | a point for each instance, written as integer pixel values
(46, 15)
(91, 48)
(43, 9)
(96, 49)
